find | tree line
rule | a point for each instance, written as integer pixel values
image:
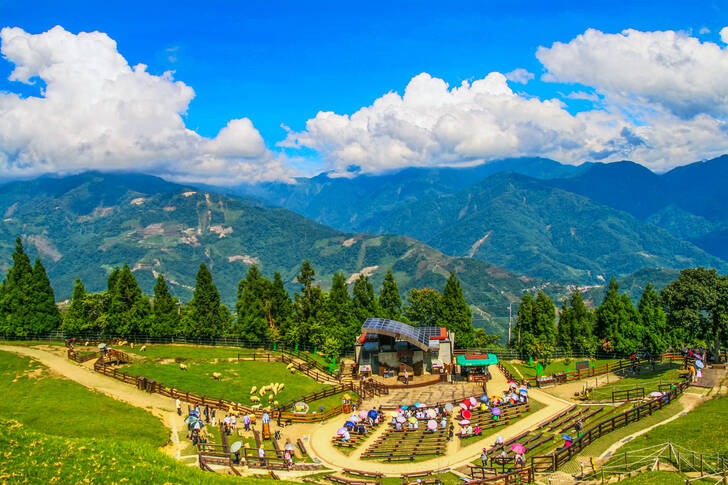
(692, 310)
(264, 310)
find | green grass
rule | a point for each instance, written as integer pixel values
(448, 478)
(662, 478)
(193, 352)
(553, 367)
(32, 457)
(331, 401)
(704, 430)
(648, 379)
(30, 343)
(236, 382)
(43, 403)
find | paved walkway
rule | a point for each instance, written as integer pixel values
(320, 440)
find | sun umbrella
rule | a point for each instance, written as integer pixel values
(394, 414)
(354, 418)
(483, 398)
(466, 403)
(524, 392)
(656, 394)
(464, 422)
(567, 437)
(699, 364)
(518, 448)
(473, 401)
(449, 407)
(466, 414)
(341, 431)
(421, 405)
(499, 440)
(362, 414)
(512, 383)
(401, 419)
(373, 414)
(346, 396)
(236, 446)
(432, 424)
(495, 411)
(431, 414)
(417, 404)
(349, 423)
(463, 406)
(290, 447)
(101, 346)
(399, 410)
(412, 419)
(191, 419)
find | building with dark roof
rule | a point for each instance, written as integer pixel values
(387, 347)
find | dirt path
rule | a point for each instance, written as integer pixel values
(159, 406)
(321, 447)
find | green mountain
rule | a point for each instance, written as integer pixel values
(634, 284)
(84, 225)
(528, 226)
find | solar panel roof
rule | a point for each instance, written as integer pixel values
(417, 336)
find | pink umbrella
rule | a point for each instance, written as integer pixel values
(463, 422)
(518, 448)
(401, 419)
(432, 424)
(362, 414)
(466, 414)
(421, 405)
(464, 406)
(341, 431)
(496, 411)
(473, 401)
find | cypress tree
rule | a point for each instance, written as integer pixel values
(281, 307)
(165, 315)
(129, 310)
(252, 315)
(582, 324)
(46, 316)
(525, 322)
(654, 321)
(363, 298)
(344, 324)
(456, 314)
(607, 316)
(544, 314)
(309, 310)
(390, 301)
(17, 305)
(205, 316)
(74, 320)
(566, 326)
(111, 280)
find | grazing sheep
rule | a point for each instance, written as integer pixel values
(266, 409)
(86, 344)
(144, 347)
(275, 403)
(261, 392)
(256, 406)
(280, 388)
(254, 399)
(183, 367)
(216, 376)
(270, 397)
(130, 345)
(253, 389)
(293, 371)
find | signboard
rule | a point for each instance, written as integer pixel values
(582, 365)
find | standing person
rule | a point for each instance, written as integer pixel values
(179, 406)
(261, 455)
(451, 432)
(246, 422)
(484, 457)
(406, 377)
(277, 434)
(212, 416)
(207, 413)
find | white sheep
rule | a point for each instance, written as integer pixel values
(270, 397)
(275, 403)
(253, 389)
(130, 345)
(216, 376)
(281, 386)
(254, 399)
(144, 347)
(261, 393)
(183, 367)
(293, 371)
(255, 406)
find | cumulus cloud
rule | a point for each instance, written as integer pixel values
(519, 75)
(97, 112)
(724, 35)
(668, 69)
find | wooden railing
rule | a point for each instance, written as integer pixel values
(306, 368)
(520, 475)
(76, 357)
(634, 393)
(553, 461)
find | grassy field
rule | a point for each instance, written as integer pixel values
(187, 352)
(65, 433)
(648, 379)
(237, 378)
(704, 430)
(43, 403)
(553, 367)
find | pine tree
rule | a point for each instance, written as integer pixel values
(363, 299)
(45, 314)
(424, 308)
(205, 316)
(456, 314)
(544, 314)
(524, 322)
(309, 310)
(129, 310)
(390, 301)
(111, 280)
(582, 321)
(607, 316)
(654, 321)
(253, 323)
(74, 320)
(566, 326)
(165, 314)
(281, 307)
(16, 305)
(344, 325)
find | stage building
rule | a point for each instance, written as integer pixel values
(388, 347)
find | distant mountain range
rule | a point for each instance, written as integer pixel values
(532, 215)
(86, 224)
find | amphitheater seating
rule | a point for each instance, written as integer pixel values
(405, 445)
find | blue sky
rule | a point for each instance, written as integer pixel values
(283, 62)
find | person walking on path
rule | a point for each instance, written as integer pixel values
(261, 455)
(179, 407)
(484, 457)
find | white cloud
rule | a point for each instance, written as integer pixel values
(97, 112)
(724, 35)
(519, 75)
(670, 70)
(704, 30)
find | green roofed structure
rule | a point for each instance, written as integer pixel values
(475, 367)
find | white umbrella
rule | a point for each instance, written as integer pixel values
(236, 446)
(448, 407)
(101, 346)
(431, 414)
(656, 394)
(401, 419)
(290, 447)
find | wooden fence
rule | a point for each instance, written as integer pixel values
(305, 368)
(553, 461)
(520, 475)
(636, 393)
(76, 357)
